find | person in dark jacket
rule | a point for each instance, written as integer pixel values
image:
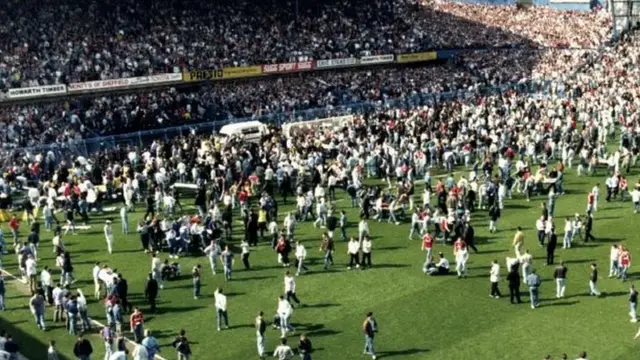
(304, 347)
(252, 228)
(67, 269)
(468, 235)
(181, 344)
(143, 230)
(551, 246)
(588, 228)
(514, 284)
(369, 328)
(151, 292)
(150, 207)
(82, 349)
(122, 290)
(11, 347)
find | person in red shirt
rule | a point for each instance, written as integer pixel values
(590, 200)
(459, 244)
(136, 323)
(14, 225)
(625, 263)
(623, 187)
(427, 245)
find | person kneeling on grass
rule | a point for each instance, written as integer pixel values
(441, 268)
(170, 271)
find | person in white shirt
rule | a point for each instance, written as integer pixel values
(526, 260)
(95, 272)
(156, 269)
(353, 250)
(540, 227)
(284, 311)
(119, 355)
(124, 220)
(31, 270)
(108, 235)
(283, 351)
(321, 214)
(415, 224)
(212, 252)
(273, 231)
(289, 226)
(140, 352)
(221, 308)
(494, 278)
(363, 229)
(426, 198)
(568, 233)
(635, 199)
(290, 288)
(577, 227)
(441, 268)
(366, 252)
(596, 197)
(614, 266)
(301, 255)
(244, 245)
(462, 256)
(46, 282)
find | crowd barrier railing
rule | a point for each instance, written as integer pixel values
(88, 147)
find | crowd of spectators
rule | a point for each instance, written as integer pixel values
(73, 119)
(56, 41)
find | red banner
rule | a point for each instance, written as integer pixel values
(287, 67)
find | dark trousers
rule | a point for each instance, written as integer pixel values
(550, 255)
(144, 239)
(285, 257)
(49, 291)
(588, 235)
(514, 293)
(494, 289)
(253, 238)
(292, 296)
(353, 260)
(196, 288)
(150, 211)
(366, 259)
(541, 237)
(152, 304)
(126, 305)
(473, 246)
(609, 193)
(245, 261)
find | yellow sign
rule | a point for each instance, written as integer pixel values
(423, 56)
(225, 73)
(202, 75)
(240, 72)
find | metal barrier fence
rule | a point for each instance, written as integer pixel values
(89, 146)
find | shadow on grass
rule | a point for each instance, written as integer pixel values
(390, 248)
(29, 346)
(608, 239)
(389, 266)
(562, 303)
(253, 278)
(321, 306)
(481, 252)
(400, 353)
(323, 332)
(241, 326)
(177, 309)
(579, 261)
